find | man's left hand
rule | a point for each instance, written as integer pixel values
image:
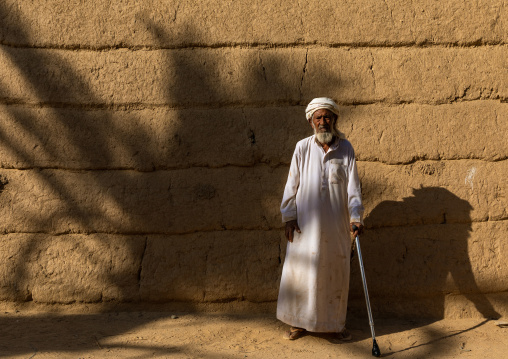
(358, 231)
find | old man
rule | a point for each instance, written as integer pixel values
(321, 203)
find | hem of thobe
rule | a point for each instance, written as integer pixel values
(311, 326)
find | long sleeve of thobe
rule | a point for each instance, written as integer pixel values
(288, 205)
(354, 193)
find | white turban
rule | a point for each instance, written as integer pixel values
(321, 103)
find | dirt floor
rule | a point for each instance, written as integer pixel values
(31, 334)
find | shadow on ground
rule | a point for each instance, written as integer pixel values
(155, 334)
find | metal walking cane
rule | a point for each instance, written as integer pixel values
(375, 349)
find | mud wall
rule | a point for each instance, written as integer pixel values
(144, 147)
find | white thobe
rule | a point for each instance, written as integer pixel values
(323, 194)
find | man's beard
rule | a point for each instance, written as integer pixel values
(324, 137)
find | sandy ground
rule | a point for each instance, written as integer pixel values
(34, 335)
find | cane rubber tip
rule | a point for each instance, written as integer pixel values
(375, 349)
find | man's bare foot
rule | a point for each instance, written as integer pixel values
(294, 333)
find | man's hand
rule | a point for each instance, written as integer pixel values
(358, 231)
(291, 226)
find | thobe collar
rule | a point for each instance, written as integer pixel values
(333, 146)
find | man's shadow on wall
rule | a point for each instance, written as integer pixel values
(416, 254)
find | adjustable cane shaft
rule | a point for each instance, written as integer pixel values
(375, 349)
(365, 290)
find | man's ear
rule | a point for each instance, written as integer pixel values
(335, 119)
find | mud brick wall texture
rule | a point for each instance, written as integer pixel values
(144, 147)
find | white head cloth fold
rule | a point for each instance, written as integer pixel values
(321, 103)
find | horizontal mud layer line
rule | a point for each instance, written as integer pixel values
(233, 230)
(407, 296)
(137, 106)
(376, 227)
(254, 45)
(247, 166)
(408, 308)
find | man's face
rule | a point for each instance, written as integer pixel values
(322, 121)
